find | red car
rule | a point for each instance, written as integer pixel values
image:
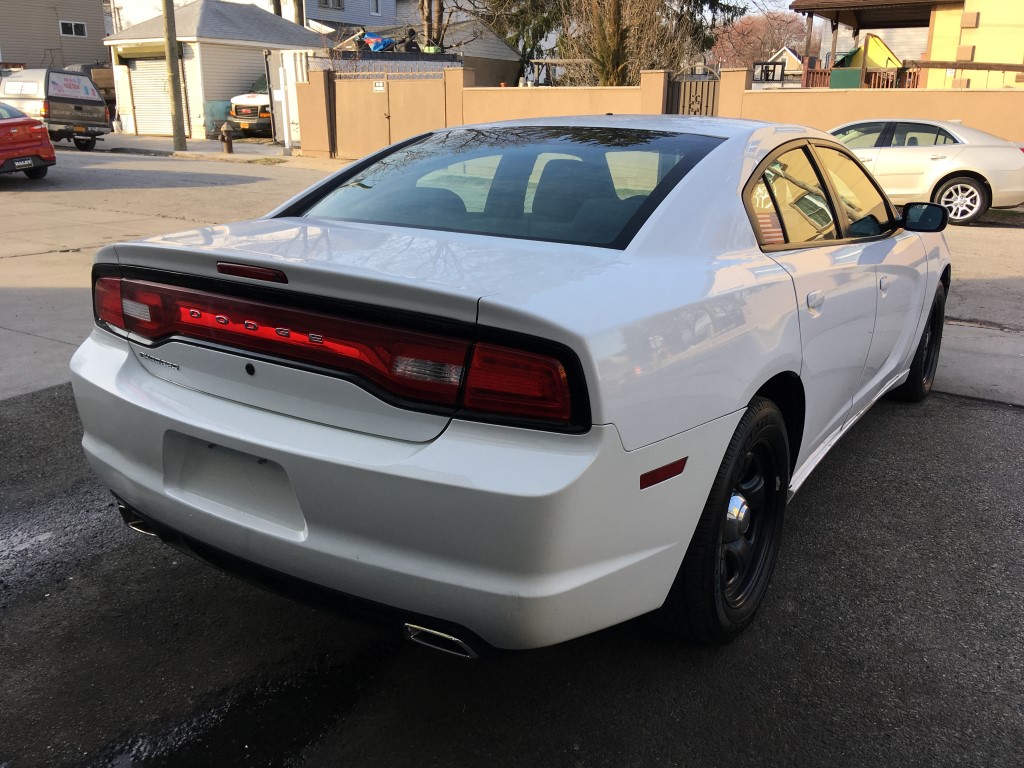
(24, 144)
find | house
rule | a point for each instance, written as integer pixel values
(492, 60)
(52, 34)
(792, 64)
(221, 47)
(318, 15)
(966, 43)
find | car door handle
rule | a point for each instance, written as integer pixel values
(815, 299)
(883, 284)
(938, 157)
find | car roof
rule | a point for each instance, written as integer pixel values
(720, 127)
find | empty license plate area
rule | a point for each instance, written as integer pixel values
(241, 487)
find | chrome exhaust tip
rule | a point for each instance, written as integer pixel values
(134, 520)
(439, 641)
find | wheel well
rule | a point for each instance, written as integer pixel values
(947, 277)
(968, 174)
(787, 392)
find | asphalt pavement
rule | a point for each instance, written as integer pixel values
(891, 635)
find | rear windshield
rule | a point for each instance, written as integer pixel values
(591, 186)
(7, 112)
(71, 86)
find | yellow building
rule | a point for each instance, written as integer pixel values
(988, 34)
(989, 31)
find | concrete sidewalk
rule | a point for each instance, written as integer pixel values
(244, 150)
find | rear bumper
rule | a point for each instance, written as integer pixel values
(524, 538)
(1007, 188)
(70, 130)
(12, 164)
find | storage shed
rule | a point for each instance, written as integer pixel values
(220, 54)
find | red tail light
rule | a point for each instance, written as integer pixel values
(106, 114)
(409, 365)
(107, 301)
(44, 110)
(517, 383)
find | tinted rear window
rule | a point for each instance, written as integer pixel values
(71, 86)
(591, 186)
(7, 111)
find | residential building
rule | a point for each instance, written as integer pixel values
(968, 43)
(329, 13)
(221, 48)
(52, 34)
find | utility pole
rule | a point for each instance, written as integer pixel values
(174, 77)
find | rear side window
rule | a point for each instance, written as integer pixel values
(21, 88)
(799, 199)
(585, 185)
(859, 198)
(919, 135)
(861, 135)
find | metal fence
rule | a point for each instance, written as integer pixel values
(369, 66)
(690, 96)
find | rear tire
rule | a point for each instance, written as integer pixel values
(966, 199)
(85, 145)
(37, 173)
(732, 554)
(926, 360)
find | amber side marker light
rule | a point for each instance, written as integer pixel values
(254, 273)
(661, 474)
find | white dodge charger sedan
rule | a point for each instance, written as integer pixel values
(509, 384)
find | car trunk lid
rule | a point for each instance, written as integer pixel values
(415, 281)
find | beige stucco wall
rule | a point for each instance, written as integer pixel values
(995, 111)
(483, 105)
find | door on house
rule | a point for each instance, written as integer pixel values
(151, 97)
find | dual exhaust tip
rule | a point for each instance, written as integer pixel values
(414, 633)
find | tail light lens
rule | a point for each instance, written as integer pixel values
(44, 110)
(517, 383)
(106, 114)
(412, 366)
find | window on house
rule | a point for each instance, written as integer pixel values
(338, 4)
(73, 29)
(375, 7)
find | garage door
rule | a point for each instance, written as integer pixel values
(151, 97)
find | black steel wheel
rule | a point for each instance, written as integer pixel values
(85, 145)
(730, 559)
(926, 359)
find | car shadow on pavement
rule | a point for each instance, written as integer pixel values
(128, 179)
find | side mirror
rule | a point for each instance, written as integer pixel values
(924, 217)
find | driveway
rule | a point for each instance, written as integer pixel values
(893, 633)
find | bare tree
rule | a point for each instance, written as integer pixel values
(523, 24)
(618, 39)
(755, 38)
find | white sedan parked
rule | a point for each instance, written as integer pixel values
(513, 383)
(965, 170)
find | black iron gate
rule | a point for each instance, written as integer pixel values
(693, 94)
